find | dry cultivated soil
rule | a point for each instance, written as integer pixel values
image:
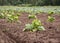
(12, 32)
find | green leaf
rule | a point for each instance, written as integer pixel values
(41, 28)
(9, 15)
(36, 22)
(18, 14)
(2, 15)
(29, 26)
(34, 29)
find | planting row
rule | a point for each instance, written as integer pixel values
(36, 25)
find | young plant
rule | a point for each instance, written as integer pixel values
(9, 15)
(31, 16)
(2, 16)
(50, 13)
(36, 25)
(12, 18)
(50, 19)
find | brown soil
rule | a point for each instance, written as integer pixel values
(12, 32)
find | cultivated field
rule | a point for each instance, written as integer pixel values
(30, 24)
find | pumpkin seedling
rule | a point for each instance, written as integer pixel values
(50, 13)
(31, 16)
(2, 15)
(28, 27)
(36, 25)
(12, 18)
(50, 19)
